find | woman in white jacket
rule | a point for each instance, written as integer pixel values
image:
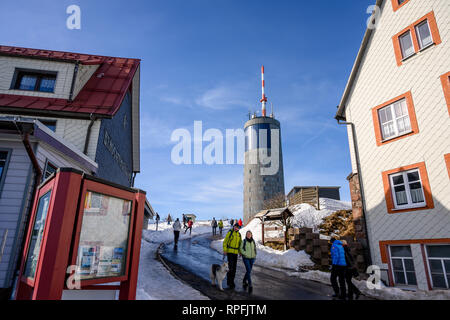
(176, 231)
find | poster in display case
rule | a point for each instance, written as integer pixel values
(104, 234)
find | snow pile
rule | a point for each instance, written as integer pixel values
(384, 293)
(307, 216)
(154, 280)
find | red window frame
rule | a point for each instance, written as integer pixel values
(396, 6)
(412, 29)
(91, 185)
(412, 118)
(425, 185)
(46, 188)
(447, 163)
(445, 80)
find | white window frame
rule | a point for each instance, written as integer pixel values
(447, 280)
(404, 57)
(419, 40)
(410, 204)
(394, 120)
(403, 265)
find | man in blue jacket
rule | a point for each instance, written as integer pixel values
(338, 266)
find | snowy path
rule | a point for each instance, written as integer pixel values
(196, 256)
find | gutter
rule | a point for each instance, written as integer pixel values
(74, 78)
(88, 133)
(361, 188)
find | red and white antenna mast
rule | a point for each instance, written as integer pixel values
(264, 98)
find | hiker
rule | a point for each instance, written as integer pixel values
(248, 252)
(231, 246)
(184, 221)
(189, 226)
(338, 269)
(169, 219)
(350, 272)
(240, 223)
(214, 226)
(157, 220)
(176, 232)
(231, 223)
(220, 224)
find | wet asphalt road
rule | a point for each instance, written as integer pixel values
(196, 256)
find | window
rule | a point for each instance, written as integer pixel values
(406, 45)
(424, 35)
(49, 170)
(395, 119)
(3, 158)
(34, 80)
(439, 265)
(421, 34)
(445, 80)
(407, 189)
(51, 124)
(402, 265)
(396, 4)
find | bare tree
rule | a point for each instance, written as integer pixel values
(278, 201)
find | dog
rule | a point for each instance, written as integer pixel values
(218, 273)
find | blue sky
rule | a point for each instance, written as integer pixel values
(201, 60)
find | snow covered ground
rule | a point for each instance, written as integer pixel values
(154, 280)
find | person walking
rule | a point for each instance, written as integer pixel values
(220, 224)
(248, 252)
(240, 223)
(176, 232)
(184, 221)
(157, 220)
(214, 226)
(350, 272)
(190, 223)
(231, 247)
(338, 266)
(231, 223)
(169, 219)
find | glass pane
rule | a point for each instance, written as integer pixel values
(447, 266)
(442, 251)
(36, 236)
(103, 242)
(424, 35)
(403, 124)
(411, 277)
(382, 115)
(406, 45)
(400, 109)
(397, 264)
(47, 84)
(413, 176)
(401, 251)
(436, 266)
(400, 195)
(398, 179)
(416, 192)
(399, 278)
(438, 281)
(409, 264)
(388, 129)
(3, 155)
(28, 82)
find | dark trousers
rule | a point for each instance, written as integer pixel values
(176, 235)
(214, 230)
(232, 262)
(248, 263)
(352, 289)
(338, 274)
(220, 230)
(188, 228)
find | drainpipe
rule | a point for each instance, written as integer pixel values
(74, 78)
(37, 180)
(134, 177)
(341, 120)
(88, 134)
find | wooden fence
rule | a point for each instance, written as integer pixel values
(306, 195)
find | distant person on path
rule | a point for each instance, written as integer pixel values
(176, 232)
(350, 272)
(338, 269)
(231, 247)
(231, 223)
(240, 223)
(169, 219)
(189, 226)
(220, 226)
(248, 252)
(157, 220)
(184, 221)
(214, 226)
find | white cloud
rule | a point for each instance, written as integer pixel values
(223, 97)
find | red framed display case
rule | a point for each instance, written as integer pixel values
(89, 224)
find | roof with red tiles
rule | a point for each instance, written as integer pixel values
(102, 94)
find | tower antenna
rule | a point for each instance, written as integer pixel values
(271, 110)
(263, 99)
